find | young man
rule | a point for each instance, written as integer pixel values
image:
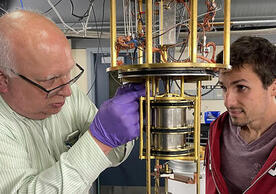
(241, 152)
(42, 116)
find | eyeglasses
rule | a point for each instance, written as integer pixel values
(53, 91)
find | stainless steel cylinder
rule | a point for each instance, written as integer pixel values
(168, 142)
(169, 117)
(169, 129)
(170, 114)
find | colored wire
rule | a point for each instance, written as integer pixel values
(60, 18)
(45, 12)
(86, 14)
(99, 49)
(3, 10)
(21, 2)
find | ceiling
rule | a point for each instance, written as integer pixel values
(247, 15)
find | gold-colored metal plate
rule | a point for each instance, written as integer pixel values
(168, 65)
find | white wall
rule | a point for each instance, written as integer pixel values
(80, 57)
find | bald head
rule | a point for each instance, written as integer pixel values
(35, 51)
(31, 35)
(25, 23)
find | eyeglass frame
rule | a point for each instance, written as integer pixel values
(44, 89)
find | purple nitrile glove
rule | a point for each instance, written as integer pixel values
(117, 120)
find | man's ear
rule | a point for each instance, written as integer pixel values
(3, 83)
(273, 88)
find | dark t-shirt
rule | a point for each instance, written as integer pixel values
(241, 161)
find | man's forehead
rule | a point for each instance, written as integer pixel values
(225, 71)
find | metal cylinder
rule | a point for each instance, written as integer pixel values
(168, 142)
(169, 128)
(169, 118)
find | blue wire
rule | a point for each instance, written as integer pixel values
(21, 4)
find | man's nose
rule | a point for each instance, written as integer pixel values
(230, 99)
(66, 90)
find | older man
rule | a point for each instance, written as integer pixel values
(42, 116)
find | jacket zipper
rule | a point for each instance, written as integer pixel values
(210, 163)
(259, 177)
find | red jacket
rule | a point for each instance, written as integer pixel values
(264, 182)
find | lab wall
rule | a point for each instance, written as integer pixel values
(80, 57)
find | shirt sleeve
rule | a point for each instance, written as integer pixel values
(73, 172)
(86, 113)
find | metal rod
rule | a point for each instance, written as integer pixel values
(113, 33)
(153, 86)
(148, 61)
(167, 85)
(149, 31)
(247, 22)
(157, 182)
(148, 168)
(190, 34)
(166, 186)
(227, 17)
(141, 129)
(157, 85)
(140, 31)
(161, 26)
(165, 54)
(197, 135)
(193, 31)
(120, 24)
(182, 87)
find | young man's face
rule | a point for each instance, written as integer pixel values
(245, 98)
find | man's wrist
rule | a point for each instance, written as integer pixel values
(105, 148)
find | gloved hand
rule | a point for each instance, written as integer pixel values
(117, 120)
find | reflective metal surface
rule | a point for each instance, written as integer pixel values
(166, 118)
(168, 142)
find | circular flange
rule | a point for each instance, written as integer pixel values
(166, 72)
(179, 130)
(172, 103)
(183, 152)
(168, 69)
(210, 66)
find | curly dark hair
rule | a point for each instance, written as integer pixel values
(257, 52)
